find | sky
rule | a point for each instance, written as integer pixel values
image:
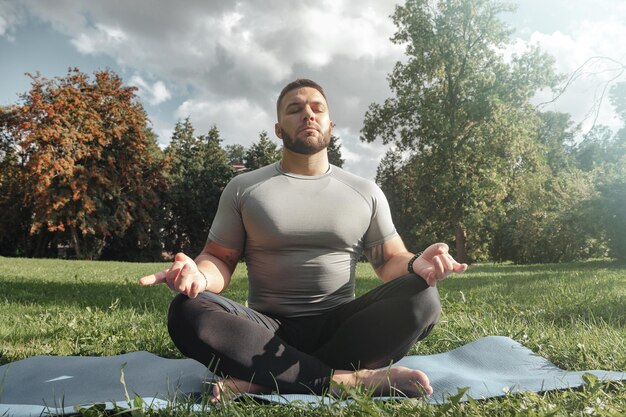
(224, 62)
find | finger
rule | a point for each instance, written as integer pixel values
(180, 282)
(460, 268)
(153, 279)
(194, 290)
(434, 250)
(447, 262)
(438, 268)
(442, 248)
(174, 271)
(181, 257)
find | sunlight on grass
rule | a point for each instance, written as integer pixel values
(572, 314)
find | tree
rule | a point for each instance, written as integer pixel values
(556, 136)
(334, 152)
(595, 149)
(15, 219)
(611, 180)
(199, 172)
(394, 177)
(87, 156)
(551, 219)
(143, 240)
(463, 112)
(261, 153)
(613, 202)
(236, 154)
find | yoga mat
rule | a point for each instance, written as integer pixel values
(490, 367)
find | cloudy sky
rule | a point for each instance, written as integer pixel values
(224, 62)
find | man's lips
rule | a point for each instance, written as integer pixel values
(308, 128)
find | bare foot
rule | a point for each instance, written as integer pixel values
(388, 381)
(228, 388)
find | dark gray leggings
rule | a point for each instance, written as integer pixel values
(297, 355)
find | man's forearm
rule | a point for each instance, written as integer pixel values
(216, 272)
(389, 259)
(395, 267)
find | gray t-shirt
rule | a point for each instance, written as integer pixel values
(301, 235)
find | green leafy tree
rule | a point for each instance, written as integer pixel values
(396, 179)
(236, 154)
(15, 219)
(334, 152)
(611, 179)
(548, 214)
(199, 172)
(261, 153)
(87, 154)
(463, 112)
(556, 136)
(551, 219)
(613, 209)
(142, 241)
(595, 149)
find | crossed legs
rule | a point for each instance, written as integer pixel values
(291, 355)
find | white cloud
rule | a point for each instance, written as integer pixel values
(238, 120)
(361, 158)
(10, 17)
(591, 54)
(4, 25)
(230, 59)
(99, 39)
(226, 61)
(156, 93)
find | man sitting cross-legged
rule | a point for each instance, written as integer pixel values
(302, 225)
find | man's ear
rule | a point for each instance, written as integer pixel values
(277, 130)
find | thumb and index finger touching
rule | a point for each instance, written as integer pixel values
(443, 249)
(160, 277)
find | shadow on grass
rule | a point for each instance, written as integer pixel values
(93, 294)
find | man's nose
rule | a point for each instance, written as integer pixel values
(309, 114)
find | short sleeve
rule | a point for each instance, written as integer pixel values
(381, 227)
(227, 228)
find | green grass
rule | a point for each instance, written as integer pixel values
(573, 314)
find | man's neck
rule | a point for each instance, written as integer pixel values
(309, 165)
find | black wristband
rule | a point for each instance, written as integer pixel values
(410, 264)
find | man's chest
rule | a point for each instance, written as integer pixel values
(305, 216)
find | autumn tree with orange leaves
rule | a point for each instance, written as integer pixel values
(90, 168)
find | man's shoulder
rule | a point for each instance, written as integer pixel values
(252, 178)
(358, 183)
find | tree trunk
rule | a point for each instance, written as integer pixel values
(76, 243)
(39, 245)
(461, 250)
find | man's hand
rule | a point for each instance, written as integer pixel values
(436, 264)
(183, 277)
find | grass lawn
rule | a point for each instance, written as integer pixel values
(573, 314)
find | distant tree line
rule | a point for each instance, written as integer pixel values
(475, 164)
(473, 161)
(81, 174)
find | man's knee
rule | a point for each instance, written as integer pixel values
(179, 309)
(426, 308)
(424, 299)
(178, 317)
(185, 308)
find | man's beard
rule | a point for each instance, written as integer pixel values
(308, 146)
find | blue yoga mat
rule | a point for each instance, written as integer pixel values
(490, 367)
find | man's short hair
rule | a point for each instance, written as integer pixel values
(299, 83)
